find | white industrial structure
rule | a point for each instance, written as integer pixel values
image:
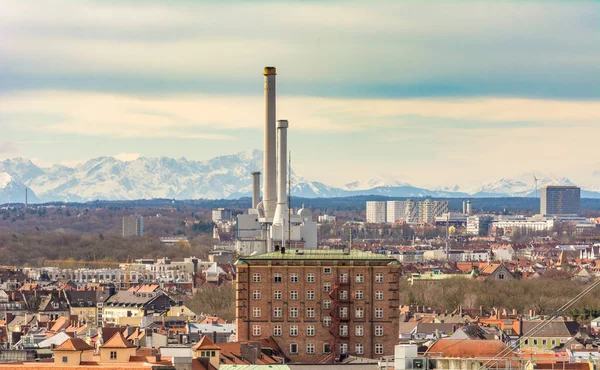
(270, 223)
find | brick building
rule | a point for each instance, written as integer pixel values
(319, 304)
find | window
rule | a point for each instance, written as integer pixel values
(344, 312)
(379, 295)
(256, 294)
(343, 278)
(294, 312)
(500, 276)
(378, 331)
(113, 355)
(310, 277)
(277, 277)
(327, 287)
(310, 330)
(358, 330)
(277, 295)
(359, 349)
(277, 312)
(327, 304)
(293, 330)
(379, 278)
(294, 348)
(256, 312)
(256, 330)
(360, 278)
(343, 330)
(379, 313)
(379, 349)
(553, 342)
(327, 321)
(65, 359)
(359, 312)
(344, 348)
(326, 348)
(310, 312)
(293, 295)
(358, 294)
(310, 295)
(277, 331)
(310, 348)
(293, 278)
(326, 270)
(535, 342)
(256, 278)
(526, 341)
(343, 295)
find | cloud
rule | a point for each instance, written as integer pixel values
(127, 157)
(7, 148)
(360, 49)
(218, 117)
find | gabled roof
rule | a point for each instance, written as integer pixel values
(117, 341)
(551, 329)
(205, 343)
(74, 344)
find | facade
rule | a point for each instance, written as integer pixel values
(560, 200)
(376, 212)
(133, 226)
(430, 209)
(319, 304)
(221, 214)
(396, 211)
(478, 225)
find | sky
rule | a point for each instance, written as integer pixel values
(431, 92)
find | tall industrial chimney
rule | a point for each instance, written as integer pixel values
(281, 211)
(270, 164)
(255, 189)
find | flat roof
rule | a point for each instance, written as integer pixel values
(321, 254)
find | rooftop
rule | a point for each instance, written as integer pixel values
(322, 254)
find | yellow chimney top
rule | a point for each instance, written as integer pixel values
(269, 71)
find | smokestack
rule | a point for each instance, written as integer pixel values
(270, 164)
(281, 210)
(255, 189)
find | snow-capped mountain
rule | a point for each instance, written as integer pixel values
(379, 181)
(522, 185)
(12, 191)
(226, 176)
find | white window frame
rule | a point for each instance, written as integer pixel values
(359, 330)
(310, 312)
(256, 295)
(256, 277)
(277, 312)
(310, 330)
(310, 295)
(378, 349)
(379, 330)
(277, 295)
(359, 312)
(359, 278)
(379, 295)
(379, 278)
(277, 330)
(293, 330)
(294, 312)
(379, 313)
(310, 277)
(310, 348)
(256, 330)
(358, 295)
(293, 295)
(293, 278)
(256, 311)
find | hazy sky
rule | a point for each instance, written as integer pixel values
(428, 92)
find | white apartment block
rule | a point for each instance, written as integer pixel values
(376, 212)
(396, 211)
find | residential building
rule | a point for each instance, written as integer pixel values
(221, 214)
(126, 304)
(396, 211)
(430, 209)
(319, 304)
(553, 334)
(560, 200)
(133, 226)
(478, 225)
(376, 212)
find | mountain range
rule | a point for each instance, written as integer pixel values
(224, 177)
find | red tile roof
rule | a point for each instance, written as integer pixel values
(74, 344)
(468, 348)
(117, 341)
(205, 343)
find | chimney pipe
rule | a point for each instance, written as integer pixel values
(255, 189)
(270, 164)
(279, 218)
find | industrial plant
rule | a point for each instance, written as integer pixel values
(270, 224)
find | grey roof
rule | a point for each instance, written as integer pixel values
(131, 298)
(427, 328)
(551, 329)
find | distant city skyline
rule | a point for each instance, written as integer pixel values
(431, 93)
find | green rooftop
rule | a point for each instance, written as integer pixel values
(321, 254)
